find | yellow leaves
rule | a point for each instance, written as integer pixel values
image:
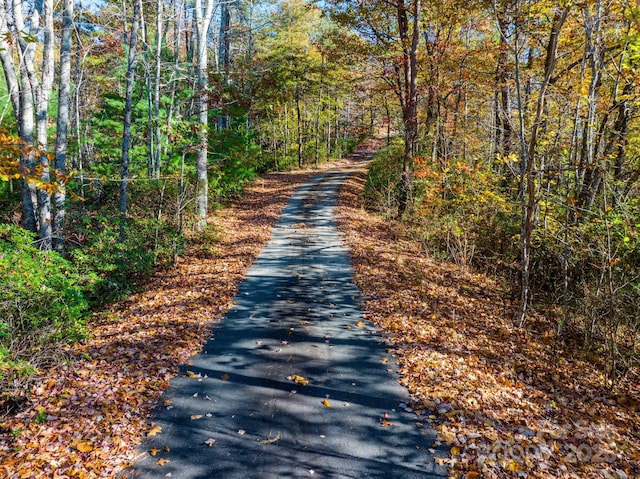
(385, 423)
(513, 466)
(193, 375)
(384, 360)
(360, 324)
(446, 435)
(84, 446)
(154, 451)
(162, 462)
(455, 451)
(326, 403)
(298, 379)
(74, 472)
(154, 430)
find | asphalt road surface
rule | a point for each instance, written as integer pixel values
(294, 383)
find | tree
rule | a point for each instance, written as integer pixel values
(126, 130)
(203, 14)
(399, 45)
(62, 125)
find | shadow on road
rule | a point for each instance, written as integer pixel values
(293, 383)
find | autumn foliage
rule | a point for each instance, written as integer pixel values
(509, 402)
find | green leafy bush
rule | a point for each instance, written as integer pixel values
(42, 303)
(112, 269)
(382, 185)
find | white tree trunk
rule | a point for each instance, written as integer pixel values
(28, 82)
(62, 124)
(203, 21)
(43, 93)
(156, 90)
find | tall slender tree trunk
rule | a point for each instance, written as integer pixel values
(157, 156)
(224, 54)
(594, 51)
(203, 21)
(409, 37)
(529, 188)
(8, 65)
(25, 119)
(62, 125)
(299, 127)
(126, 132)
(42, 120)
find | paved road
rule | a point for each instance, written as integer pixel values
(238, 412)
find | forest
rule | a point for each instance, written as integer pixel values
(509, 144)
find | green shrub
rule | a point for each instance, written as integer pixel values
(42, 303)
(113, 269)
(382, 185)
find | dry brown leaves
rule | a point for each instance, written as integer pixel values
(87, 416)
(507, 401)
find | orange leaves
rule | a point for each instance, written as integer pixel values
(84, 446)
(505, 402)
(134, 349)
(326, 403)
(154, 430)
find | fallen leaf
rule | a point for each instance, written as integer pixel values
(162, 462)
(513, 466)
(384, 360)
(84, 446)
(455, 451)
(241, 432)
(153, 431)
(225, 377)
(298, 380)
(195, 417)
(326, 403)
(385, 423)
(472, 475)
(271, 440)
(154, 451)
(360, 324)
(192, 375)
(210, 442)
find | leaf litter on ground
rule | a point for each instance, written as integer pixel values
(507, 401)
(98, 404)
